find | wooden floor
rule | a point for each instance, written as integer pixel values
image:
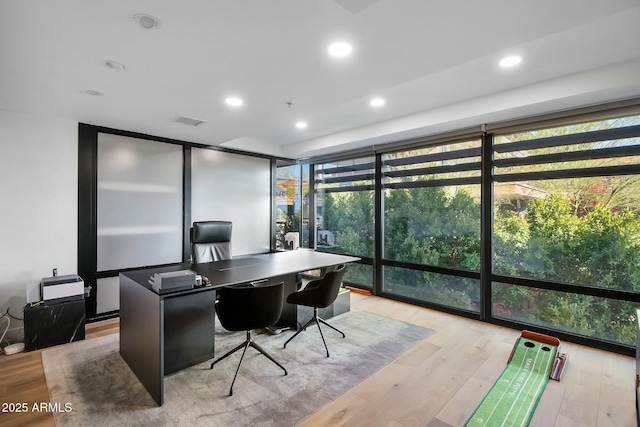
(437, 383)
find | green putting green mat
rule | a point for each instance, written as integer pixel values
(515, 395)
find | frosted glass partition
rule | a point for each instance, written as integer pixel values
(237, 188)
(107, 294)
(139, 206)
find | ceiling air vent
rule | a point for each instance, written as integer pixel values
(355, 6)
(190, 121)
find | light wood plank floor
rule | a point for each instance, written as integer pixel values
(437, 383)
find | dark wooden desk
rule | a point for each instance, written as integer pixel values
(163, 333)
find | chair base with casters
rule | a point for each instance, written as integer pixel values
(318, 294)
(317, 319)
(246, 344)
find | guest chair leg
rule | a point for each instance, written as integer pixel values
(246, 344)
(317, 320)
(315, 317)
(261, 350)
(332, 327)
(227, 354)
(299, 330)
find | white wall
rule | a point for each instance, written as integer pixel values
(38, 205)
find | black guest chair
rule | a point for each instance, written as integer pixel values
(246, 307)
(211, 241)
(319, 293)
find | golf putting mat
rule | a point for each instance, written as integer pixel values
(515, 394)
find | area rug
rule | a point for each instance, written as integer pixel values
(92, 381)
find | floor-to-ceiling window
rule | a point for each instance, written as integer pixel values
(344, 202)
(431, 238)
(566, 213)
(292, 207)
(533, 225)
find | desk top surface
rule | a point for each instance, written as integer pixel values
(246, 268)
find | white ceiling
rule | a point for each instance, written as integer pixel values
(435, 63)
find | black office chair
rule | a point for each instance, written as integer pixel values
(319, 293)
(211, 241)
(246, 307)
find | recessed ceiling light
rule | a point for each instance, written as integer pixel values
(510, 61)
(340, 49)
(233, 101)
(115, 65)
(377, 102)
(93, 92)
(301, 125)
(147, 22)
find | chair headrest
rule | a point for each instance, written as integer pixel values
(211, 232)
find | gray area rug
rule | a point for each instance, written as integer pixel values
(102, 391)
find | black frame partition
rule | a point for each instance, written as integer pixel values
(554, 150)
(87, 199)
(87, 205)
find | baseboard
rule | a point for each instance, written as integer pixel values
(359, 290)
